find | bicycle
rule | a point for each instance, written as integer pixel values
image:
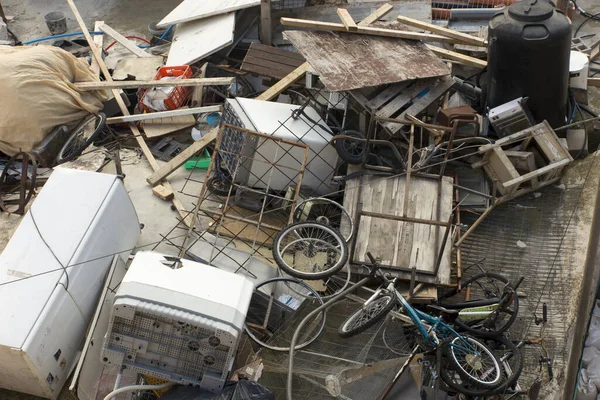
(465, 355)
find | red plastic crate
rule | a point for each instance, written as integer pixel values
(180, 94)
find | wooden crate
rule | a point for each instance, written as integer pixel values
(537, 149)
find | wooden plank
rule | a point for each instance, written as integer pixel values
(198, 91)
(167, 169)
(266, 24)
(536, 173)
(191, 10)
(382, 98)
(276, 67)
(163, 114)
(283, 59)
(162, 192)
(134, 130)
(465, 38)
(164, 126)
(435, 92)
(265, 72)
(404, 98)
(595, 82)
(99, 41)
(347, 19)
(123, 41)
(347, 61)
(454, 56)
(195, 40)
(89, 86)
(376, 15)
(277, 52)
(283, 84)
(365, 30)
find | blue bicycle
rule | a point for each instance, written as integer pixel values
(467, 356)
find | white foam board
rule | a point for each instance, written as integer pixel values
(190, 10)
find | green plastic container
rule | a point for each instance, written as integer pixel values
(201, 162)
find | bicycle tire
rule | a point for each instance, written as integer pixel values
(382, 308)
(299, 215)
(452, 354)
(278, 255)
(64, 155)
(481, 331)
(298, 346)
(213, 185)
(516, 364)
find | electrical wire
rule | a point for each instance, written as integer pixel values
(589, 17)
(60, 36)
(129, 37)
(133, 388)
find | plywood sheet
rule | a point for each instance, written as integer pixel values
(195, 40)
(397, 243)
(348, 61)
(191, 10)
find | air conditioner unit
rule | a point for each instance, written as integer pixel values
(51, 275)
(274, 119)
(177, 320)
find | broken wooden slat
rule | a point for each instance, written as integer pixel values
(454, 56)
(465, 38)
(134, 130)
(88, 86)
(346, 61)
(271, 61)
(283, 84)
(166, 125)
(330, 26)
(99, 41)
(382, 98)
(163, 114)
(347, 19)
(595, 82)
(403, 98)
(123, 41)
(376, 15)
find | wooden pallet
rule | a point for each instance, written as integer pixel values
(271, 61)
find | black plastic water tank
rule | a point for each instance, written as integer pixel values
(528, 56)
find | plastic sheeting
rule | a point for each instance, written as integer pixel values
(38, 94)
(241, 390)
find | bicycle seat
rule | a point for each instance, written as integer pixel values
(447, 315)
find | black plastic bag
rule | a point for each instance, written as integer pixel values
(241, 390)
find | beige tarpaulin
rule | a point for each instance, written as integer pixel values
(37, 94)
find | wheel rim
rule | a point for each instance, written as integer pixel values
(353, 147)
(310, 249)
(478, 362)
(486, 288)
(326, 212)
(80, 137)
(366, 313)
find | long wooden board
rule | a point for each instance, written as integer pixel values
(466, 38)
(89, 86)
(346, 61)
(128, 44)
(195, 40)
(191, 10)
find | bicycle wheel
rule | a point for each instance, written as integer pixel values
(494, 320)
(367, 316)
(274, 314)
(310, 250)
(325, 211)
(474, 362)
(82, 137)
(511, 360)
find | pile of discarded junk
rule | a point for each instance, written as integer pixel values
(343, 158)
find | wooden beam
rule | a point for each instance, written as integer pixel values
(454, 56)
(266, 25)
(180, 159)
(365, 30)
(163, 114)
(562, 5)
(347, 19)
(283, 84)
(128, 44)
(595, 82)
(134, 130)
(99, 41)
(466, 38)
(89, 86)
(376, 15)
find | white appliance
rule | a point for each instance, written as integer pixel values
(511, 117)
(51, 275)
(274, 119)
(178, 320)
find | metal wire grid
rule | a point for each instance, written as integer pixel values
(287, 4)
(546, 263)
(441, 9)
